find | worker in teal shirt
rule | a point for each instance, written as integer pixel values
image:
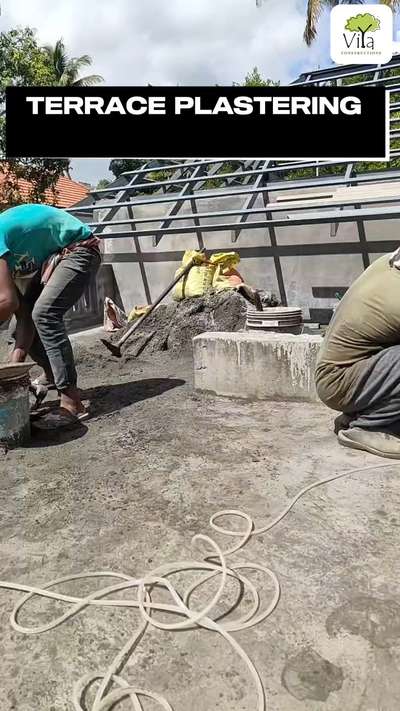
(47, 258)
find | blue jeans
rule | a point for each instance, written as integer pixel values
(51, 348)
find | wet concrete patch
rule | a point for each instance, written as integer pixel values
(376, 620)
(310, 676)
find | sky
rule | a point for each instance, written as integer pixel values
(170, 42)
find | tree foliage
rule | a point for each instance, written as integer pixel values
(255, 79)
(102, 184)
(41, 174)
(122, 165)
(24, 63)
(67, 69)
(315, 9)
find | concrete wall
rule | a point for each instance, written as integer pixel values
(308, 257)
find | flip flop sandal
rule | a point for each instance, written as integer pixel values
(59, 419)
(40, 412)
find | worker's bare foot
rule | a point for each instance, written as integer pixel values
(71, 400)
(383, 444)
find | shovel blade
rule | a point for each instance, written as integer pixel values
(114, 350)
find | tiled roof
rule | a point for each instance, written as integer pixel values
(68, 192)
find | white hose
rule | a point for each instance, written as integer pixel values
(111, 687)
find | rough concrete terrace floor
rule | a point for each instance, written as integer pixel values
(129, 492)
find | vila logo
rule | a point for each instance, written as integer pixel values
(361, 37)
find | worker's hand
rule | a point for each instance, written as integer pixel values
(24, 333)
(18, 355)
(9, 302)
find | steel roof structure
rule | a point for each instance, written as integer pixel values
(176, 186)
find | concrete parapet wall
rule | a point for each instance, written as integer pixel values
(257, 366)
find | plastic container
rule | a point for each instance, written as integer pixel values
(277, 319)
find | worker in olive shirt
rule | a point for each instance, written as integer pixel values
(47, 258)
(358, 370)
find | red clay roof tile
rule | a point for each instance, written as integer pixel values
(68, 192)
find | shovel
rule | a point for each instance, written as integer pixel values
(115, 348)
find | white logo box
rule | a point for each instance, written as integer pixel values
(361, 34)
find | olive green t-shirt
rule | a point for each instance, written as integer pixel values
(366, 321)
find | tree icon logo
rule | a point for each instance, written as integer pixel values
(360, 26)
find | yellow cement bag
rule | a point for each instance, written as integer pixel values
(198, 280)
(226, 275)
(138, 312)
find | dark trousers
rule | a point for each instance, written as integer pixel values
(376, 398)
(48, 304)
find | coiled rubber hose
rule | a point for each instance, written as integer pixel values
(111, 687)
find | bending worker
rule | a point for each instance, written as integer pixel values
(47, 258)
(358, 370)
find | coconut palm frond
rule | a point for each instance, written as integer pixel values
(67, 69)
(314, 11)
(84, 61)
(394, 4)
(89, 80)
(316, 7)
(58, 57)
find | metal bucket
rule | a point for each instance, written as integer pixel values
(15, 429)
(277, 319)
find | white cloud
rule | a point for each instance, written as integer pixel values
(175, 41)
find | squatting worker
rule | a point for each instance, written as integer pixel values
(358, 370)
(47, 258)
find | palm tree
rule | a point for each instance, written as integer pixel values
(316, 7)
(67, 69)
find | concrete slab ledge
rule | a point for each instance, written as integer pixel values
(253, 366)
